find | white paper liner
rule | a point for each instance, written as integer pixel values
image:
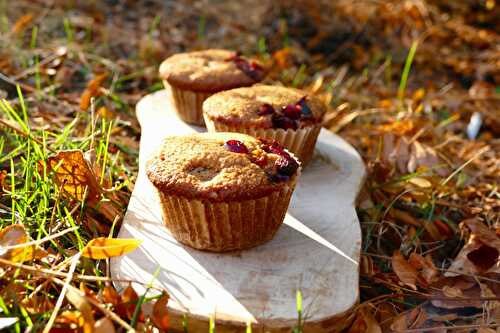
(188, 104)
(221, 226)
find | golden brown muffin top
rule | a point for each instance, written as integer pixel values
(264, 106)
(211, 70)
(221, 167)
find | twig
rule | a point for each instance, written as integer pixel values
(446, 328)
(40, 241)
(49, 272)
(479, 153)
(26, 135)
(66, 283)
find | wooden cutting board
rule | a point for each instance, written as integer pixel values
(315, 251)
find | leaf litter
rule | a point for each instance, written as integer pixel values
(429, 209)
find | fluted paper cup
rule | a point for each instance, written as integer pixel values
(226, 226)
(188, 104)
(300, 142)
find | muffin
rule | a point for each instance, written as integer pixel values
(286, 115)
(194, 76)
(222, 191)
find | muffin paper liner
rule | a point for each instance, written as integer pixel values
(301, 142)
(225, 226)
(188, 104)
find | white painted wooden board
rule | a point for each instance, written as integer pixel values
(257, 285)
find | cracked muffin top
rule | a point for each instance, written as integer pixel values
(221, 167)
(211, 70)
(263, 106)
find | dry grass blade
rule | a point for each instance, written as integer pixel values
(100, 306)
(40, 241)
(66, 285)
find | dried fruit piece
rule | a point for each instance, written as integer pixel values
(271, 146)
(286, 165)
(252, 69)
(289, 115)
(284, 122)
(265, 109)
(291, 111)
(304, 108)
(236, 146)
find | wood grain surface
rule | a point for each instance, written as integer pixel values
(316, 250)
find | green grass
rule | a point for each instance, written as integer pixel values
(406, 70)
(30, 195)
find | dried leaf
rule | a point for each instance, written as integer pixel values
(418, 95)
(410, 319)
(405, 217)
(15, 234)
(75, 174)
(456, 296)
(486, 330)
(104, 325)
(3, 176)
(76, 298)
(409, 156)
(126, 307)
(420, 182)
(480, 254)
(398, 127)
(452, 292)
(22, 23)
(283, 58)
(102, 248)
(92, 90)
(110, 295)
(160, 313)
(405, 272)
(425, 266)
(483, 257)
(364, 322)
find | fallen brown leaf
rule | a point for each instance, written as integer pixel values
(425, 265)
(410, 156)
(126, 307)
(104, 325)
(409, 320)
(92, 90)
(406, 273)
(160, 313)
(480, 254)
(76, 298)
(110, 295)
(22, 23)
(75, 174)
(3, 175)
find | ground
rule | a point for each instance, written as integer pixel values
(413, 85)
